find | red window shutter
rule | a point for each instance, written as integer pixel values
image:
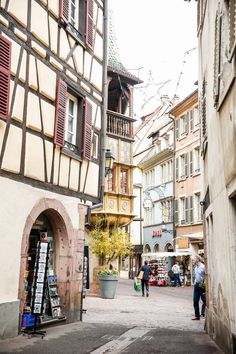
(60, 113)
(64, 10)
(89, 23)
(5, 75)
(87, 138)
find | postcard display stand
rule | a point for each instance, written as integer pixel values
(54, 298)
(38, 288)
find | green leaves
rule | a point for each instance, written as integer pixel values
(109, 243)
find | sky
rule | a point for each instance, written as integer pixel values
(157, 41)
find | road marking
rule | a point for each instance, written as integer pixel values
(147, 338)
(115, 346)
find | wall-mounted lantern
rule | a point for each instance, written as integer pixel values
(109, 159)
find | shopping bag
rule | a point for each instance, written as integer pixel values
(137, 285)
(140, 274)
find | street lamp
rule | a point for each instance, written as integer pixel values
(109, 159)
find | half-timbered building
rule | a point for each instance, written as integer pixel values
(51, 128)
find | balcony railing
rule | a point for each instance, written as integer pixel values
(119, 125)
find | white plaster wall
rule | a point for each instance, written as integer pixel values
(17, 201)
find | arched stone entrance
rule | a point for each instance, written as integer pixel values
(64, 235)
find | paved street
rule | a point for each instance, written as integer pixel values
(127, 324)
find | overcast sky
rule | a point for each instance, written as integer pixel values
(158, 35)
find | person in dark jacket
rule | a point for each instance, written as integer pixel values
(144, 281)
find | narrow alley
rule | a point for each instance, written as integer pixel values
(129, 323)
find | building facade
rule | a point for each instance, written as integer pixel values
(153, 157)
(187, 185)
(51, 128)
(216, 36)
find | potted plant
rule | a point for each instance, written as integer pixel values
(108, 282)
(108, 243)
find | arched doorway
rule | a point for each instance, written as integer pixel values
(156, 247)
(169, 247)
(147, 248)
(48, 216)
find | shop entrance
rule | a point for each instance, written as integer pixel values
(42, 230)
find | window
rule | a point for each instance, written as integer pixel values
(166, 209)
(77, 16)
(197, 160)
(74, 12)
(111, 181)
(5, 74)
(183, 124)
(149, 178)
(71, 119)
(73, 126)
(95, 146)
(182, 210)
(197, 208)
(166, 171)
(124, 181)
(148, 216)
(189, 209)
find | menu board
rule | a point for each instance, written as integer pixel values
(40, 272)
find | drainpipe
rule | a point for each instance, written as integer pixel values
(173, 208)
(103, 127)
(104, 105)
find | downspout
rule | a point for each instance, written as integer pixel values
(173, 207)
(104, 104)
(103, 127)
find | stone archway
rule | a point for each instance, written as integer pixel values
(63, 232)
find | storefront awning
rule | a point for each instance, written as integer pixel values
(156, 255)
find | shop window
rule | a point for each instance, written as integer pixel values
(5, 75)
(73, 127)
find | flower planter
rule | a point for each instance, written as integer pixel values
(108, 284)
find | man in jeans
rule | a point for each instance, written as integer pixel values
(199, 288)
(144, 281)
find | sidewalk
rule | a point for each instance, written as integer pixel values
(129, 324)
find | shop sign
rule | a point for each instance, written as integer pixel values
(156, 233)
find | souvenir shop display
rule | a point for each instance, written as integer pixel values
(37, 293)
(159, 272)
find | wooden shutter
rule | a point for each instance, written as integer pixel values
(177, 129)
(60, 113)
(87, 137)
(5, 75)
(89, 23)
(191, 119)
(176, 215)
(64, 8)
(191, 162)
(186, 210)
(177, 168)
(186, 165)
(191, 209)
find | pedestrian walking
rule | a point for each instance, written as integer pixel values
(199, 288)
(176, 271)
(144, 273)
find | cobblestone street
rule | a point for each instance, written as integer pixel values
(129, 323)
